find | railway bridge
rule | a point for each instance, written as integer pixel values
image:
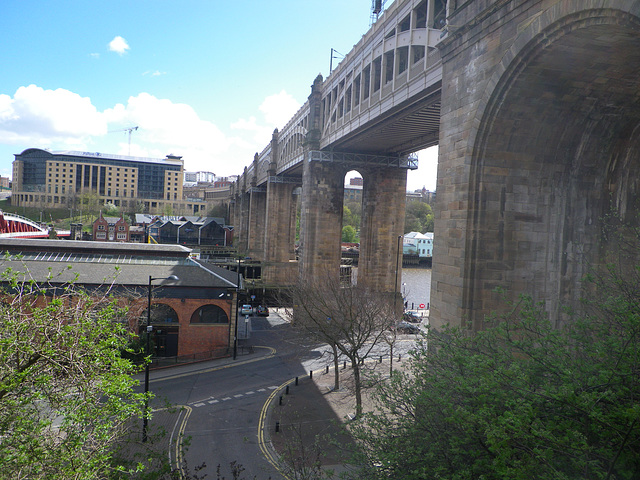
(534, 106)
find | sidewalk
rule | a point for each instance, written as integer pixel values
(312, 417)
(159, 374)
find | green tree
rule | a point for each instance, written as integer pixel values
(110, 210)
(520, 400)
(348, 234)
(88, 204)
(66, 394)
(418, 217)
(352, 214)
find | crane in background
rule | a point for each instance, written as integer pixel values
(129, 130)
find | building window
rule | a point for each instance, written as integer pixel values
(160, 313)
(209, 314)
(122, 236)
(100, 227)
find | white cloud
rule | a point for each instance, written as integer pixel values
(279, 108)
(166, 127)
(118, 45)
(35, 116)
(60, 119)
(155, 73)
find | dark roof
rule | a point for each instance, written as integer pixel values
(23, 245)
(119, 264)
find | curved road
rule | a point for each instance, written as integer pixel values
(226, 399)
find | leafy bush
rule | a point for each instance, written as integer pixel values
(520, 400)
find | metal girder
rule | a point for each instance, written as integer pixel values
(257, 190)
(409, 162)
(285, 179)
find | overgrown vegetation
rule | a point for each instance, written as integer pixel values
(68, 405)
(418, 217)
(520, 400)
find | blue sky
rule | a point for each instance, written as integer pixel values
(205, 79)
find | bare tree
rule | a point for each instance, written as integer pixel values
(352, 319)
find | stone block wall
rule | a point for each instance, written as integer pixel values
(539, 100)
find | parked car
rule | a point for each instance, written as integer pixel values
(411, 317)
(262, 311)
(246, 310)
(405, 327)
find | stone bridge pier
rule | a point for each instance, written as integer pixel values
(539, 143)
(265, 219)
(383, 204)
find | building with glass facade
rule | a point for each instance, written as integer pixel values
(66, 179)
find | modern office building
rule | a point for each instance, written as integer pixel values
(59, 179)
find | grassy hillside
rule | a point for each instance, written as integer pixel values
(58, 216)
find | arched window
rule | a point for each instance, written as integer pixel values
(160, 314)
(209, 314)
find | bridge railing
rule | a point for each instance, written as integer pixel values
(392, 61)
(393, 54)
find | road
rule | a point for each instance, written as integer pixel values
(225, 400)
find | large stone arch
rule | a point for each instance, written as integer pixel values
(550, 146)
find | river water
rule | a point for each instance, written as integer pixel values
(416, 286)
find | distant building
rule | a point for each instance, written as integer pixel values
(190, 231)
(199, 177)
(419, 244)
(422, 195)
(45, 179)
(110, 229)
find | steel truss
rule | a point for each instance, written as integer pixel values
(409, 162)
(285, 179)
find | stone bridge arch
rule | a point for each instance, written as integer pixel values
(539, 139)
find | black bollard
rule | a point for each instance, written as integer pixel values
(399, 357)
(311, 374)
(344, 366)
(296, 381)
(286, 390)
(327, 369)
(380, 359)
(280, 401)
(277, 427)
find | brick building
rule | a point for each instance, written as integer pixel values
(194, 315)
(110, 229)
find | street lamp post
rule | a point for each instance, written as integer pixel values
(235, 330)
(145, 417)
(395, 287)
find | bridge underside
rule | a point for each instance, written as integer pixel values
(408, 128)
(552, 149)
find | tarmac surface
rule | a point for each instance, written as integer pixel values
(308, 425)
(302, 424)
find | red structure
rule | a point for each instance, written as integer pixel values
(15, 226)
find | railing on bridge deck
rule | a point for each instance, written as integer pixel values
(395, 60)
